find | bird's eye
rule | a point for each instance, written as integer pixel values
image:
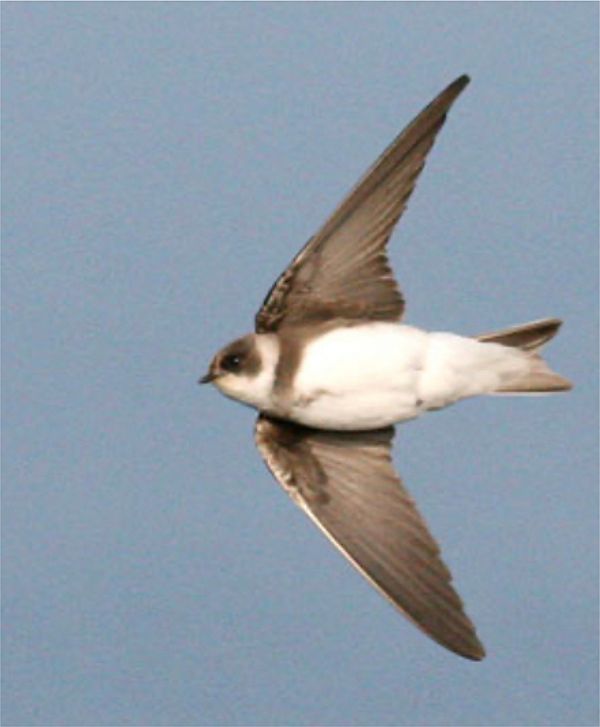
(231, 362)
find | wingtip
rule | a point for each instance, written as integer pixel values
(466, 645)
(476, 654)
(461, 82)
(452, 91)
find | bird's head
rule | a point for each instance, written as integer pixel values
(243, 370)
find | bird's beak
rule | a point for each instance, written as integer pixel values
(207, 378)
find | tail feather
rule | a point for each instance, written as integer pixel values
(527, 337)
(530, 337)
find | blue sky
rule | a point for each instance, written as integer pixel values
(161, 165)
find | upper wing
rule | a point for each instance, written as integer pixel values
(346, 483)
(343, 271)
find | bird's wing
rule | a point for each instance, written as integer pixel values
(345, 482)
(343, 271)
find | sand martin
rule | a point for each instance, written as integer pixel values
(331, 369)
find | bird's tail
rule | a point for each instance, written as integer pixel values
(530, 337)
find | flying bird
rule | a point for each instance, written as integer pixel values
(331, 369)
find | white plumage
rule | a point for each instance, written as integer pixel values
(377, 374)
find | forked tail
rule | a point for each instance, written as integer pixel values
(530, 338)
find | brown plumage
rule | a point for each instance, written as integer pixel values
(345, 481)
(343, 270)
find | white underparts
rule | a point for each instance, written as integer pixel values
(373, 375)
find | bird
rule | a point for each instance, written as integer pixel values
(331, 369)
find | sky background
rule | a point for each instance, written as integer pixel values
(162, 163)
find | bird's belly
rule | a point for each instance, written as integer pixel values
(355, 411)
(363, 377)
